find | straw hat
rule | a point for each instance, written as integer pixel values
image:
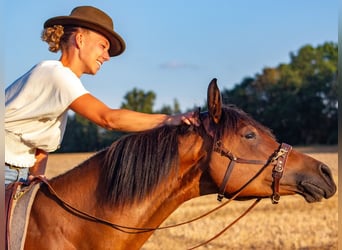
(93, 19)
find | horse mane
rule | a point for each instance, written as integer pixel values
(136, 163)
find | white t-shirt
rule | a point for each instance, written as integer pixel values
(36, 108)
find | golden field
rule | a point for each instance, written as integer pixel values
(292, 224)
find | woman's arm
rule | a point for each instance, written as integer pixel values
(96, 111)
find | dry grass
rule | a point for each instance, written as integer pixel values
(292, 224)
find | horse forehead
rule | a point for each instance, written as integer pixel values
(242, 127)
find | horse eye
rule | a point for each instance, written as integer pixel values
(250, 135)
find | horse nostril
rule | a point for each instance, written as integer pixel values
(325, 172)
(328, 177)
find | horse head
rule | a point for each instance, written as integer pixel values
(245, 157)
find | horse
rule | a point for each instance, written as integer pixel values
(118, 197)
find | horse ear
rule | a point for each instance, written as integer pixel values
(214, 101)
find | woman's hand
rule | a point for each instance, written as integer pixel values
(189, 118)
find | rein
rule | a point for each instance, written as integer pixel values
(278, 158)
(125, 229)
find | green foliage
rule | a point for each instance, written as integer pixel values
(140, 101)
(297, 100)
(81, 135)
(168, 110)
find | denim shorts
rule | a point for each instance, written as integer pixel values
(13, 174)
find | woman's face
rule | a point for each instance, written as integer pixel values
(94, 51)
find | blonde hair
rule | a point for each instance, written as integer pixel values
(58, 36)
(52, 35)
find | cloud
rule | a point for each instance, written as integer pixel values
(178, 65)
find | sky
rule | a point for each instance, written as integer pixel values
(174, 48)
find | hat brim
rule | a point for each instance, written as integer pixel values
(117, 44)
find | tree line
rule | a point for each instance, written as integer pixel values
(297, 100)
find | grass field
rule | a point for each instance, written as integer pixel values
(292, 224)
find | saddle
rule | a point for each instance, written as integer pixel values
(19, 198)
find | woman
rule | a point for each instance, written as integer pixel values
(37, 103)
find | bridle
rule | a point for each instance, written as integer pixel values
(278, 159)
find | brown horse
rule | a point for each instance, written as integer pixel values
(142, 178)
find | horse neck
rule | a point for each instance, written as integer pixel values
(167, 197)
(178, 188)
(78, 186)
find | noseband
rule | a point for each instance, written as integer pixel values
(278, 159)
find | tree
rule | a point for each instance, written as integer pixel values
(168, 110)
(81, 135)
(297, 100)
(140, 101)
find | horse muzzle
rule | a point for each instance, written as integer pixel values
(314, 189)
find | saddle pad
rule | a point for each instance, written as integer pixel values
(20, 217)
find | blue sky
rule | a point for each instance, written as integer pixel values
(175, 48)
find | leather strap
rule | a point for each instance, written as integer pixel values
(233, 159)
(279, 162)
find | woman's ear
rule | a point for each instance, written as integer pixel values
(79, 39)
